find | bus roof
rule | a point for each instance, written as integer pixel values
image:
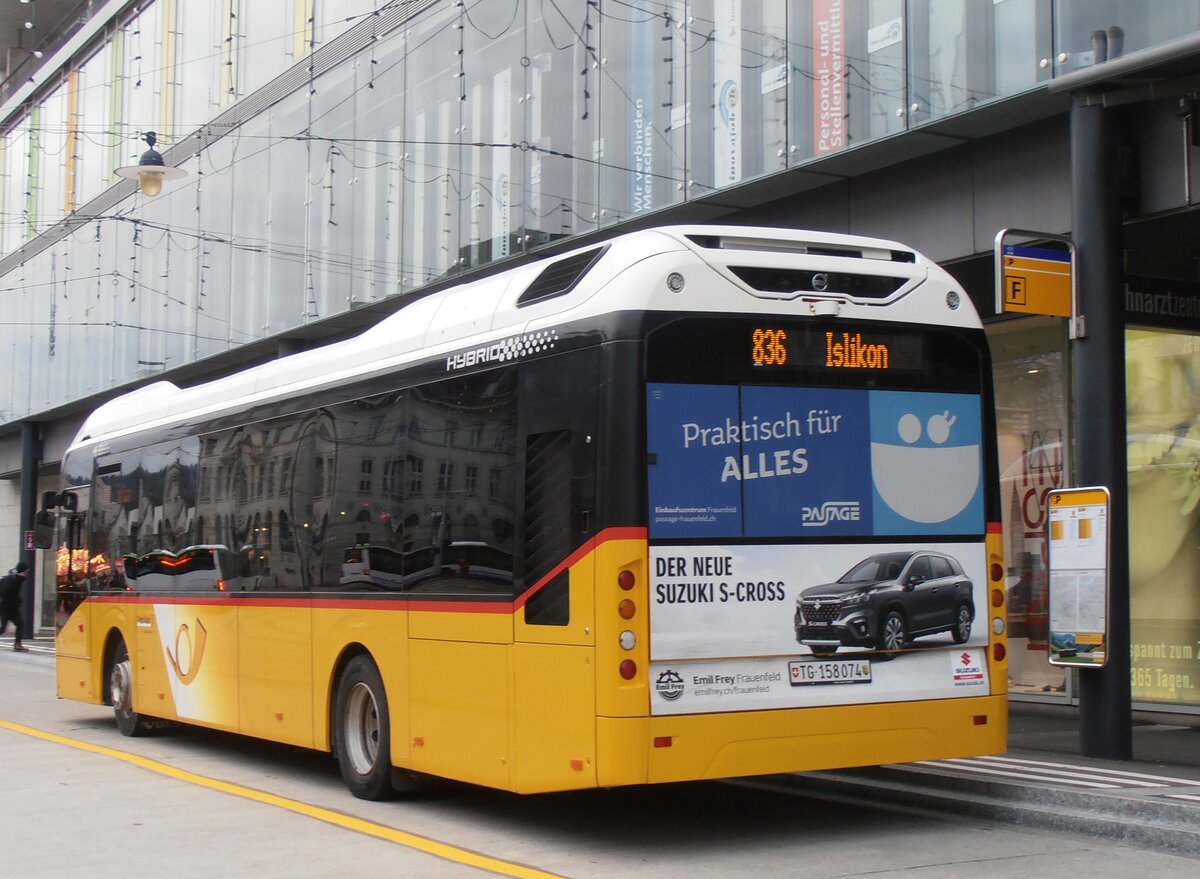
(490, 308)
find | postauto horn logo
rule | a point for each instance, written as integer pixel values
(669, 685)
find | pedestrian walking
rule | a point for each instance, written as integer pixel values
(11, 586)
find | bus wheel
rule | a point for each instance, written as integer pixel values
(361, 734)
(120, 692)
(962, 624)
(893, 633)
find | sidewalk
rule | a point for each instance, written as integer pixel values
(43, 646)
(1152, 801)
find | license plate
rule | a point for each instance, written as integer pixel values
(803, 673)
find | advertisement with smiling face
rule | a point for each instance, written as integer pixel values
(749, 461)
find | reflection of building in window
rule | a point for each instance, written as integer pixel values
(392, 474)
(293, 496)
(330, 475)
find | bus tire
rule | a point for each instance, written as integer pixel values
(361, 731)
(120, 694)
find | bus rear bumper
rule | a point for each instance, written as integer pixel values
(706, 746)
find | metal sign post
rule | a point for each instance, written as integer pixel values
(1033, 279)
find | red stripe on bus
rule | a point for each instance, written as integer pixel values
(574, 558)
(995, 528)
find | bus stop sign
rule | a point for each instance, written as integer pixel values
(1035, 279)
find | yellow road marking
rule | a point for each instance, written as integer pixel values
(370, 828)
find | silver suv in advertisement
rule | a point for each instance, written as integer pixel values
(885, 601)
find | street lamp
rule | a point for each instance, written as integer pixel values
(150, 171)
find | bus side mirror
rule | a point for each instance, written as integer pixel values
(43, 530)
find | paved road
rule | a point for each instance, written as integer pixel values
(82, 801)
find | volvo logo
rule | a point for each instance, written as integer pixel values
(820, 282)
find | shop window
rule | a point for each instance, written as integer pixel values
(1029, 359)
(1162, 388)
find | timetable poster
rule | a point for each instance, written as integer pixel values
(1078, 555)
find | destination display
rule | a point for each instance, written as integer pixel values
(822, 352)
(875, 352)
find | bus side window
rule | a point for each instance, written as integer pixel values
(548, 525)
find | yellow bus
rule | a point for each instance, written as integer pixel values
(695, 502)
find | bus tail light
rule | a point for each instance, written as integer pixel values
(626, 609)
(220, 585)
(998, 652)
(997, 571)
(663, 741)
(997, 598)
(628, 669)
(626, 580)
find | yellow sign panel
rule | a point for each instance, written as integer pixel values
(1078, 497)
(1038, 284)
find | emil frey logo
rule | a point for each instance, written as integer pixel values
(831, 511)
(669, 685)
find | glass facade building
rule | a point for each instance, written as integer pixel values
(343, 154)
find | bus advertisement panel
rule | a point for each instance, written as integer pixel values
(789, 523)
